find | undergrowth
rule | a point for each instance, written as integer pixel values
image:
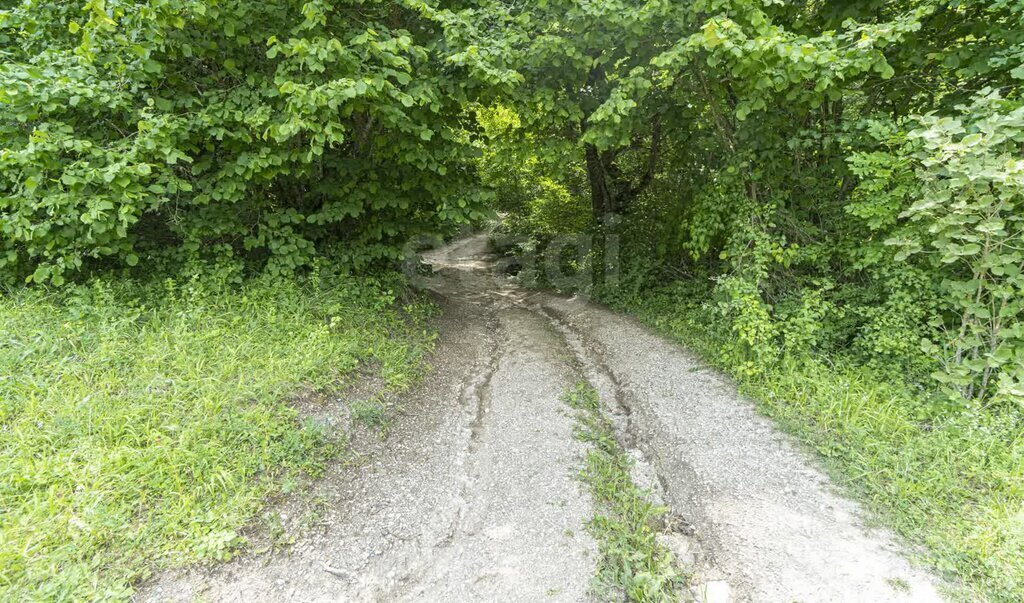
(143, 425)
(951, 480)
(632, 561)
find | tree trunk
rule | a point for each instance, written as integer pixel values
(601, 202)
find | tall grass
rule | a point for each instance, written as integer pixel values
(142, 426)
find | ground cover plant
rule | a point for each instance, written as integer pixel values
(633, 563)
(144, 426)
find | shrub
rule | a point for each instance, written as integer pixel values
(162, 132)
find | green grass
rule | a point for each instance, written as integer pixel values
(632, 561)
(951, 481)
(144, 426)
(371, 413)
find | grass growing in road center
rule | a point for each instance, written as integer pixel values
(632, 561)
(142, 426)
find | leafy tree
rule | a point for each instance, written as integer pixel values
(756, 145)
(175, 131)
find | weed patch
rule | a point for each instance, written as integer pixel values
(632, 561)
(371, 413)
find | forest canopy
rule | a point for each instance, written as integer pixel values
(842, 174)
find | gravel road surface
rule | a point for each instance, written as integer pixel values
(472, 495)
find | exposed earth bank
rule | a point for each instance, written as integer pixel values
(472, 496)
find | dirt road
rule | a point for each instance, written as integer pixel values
(472, 497)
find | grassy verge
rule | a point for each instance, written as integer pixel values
(143, 426)
(953, 482)
(632, 561)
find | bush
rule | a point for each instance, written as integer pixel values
(156, 133)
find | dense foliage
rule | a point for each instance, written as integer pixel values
(855, 165)
(844, 176)
(258, 133)
(852, 164)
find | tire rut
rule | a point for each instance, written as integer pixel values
(767, 519)
(472, 496)
(474, 400)
(679, 533)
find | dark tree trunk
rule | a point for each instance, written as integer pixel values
(601, 201)
(610, 191)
